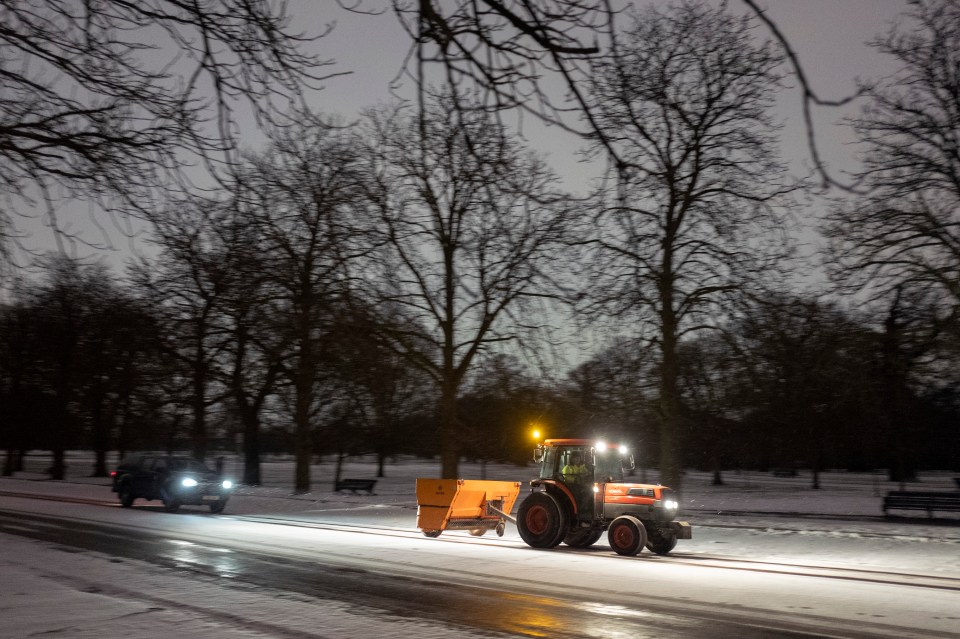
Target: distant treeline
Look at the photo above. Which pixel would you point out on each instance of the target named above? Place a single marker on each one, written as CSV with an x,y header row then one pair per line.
x,y
87,362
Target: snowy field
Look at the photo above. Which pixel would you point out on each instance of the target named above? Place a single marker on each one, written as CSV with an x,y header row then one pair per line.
x,y
841,494
781,520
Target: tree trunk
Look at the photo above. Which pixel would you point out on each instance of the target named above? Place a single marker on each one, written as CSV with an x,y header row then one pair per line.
x,y
101,439
338,471
199,432
251,447
717,475
304,443
59,468
670,419
449,444
303,436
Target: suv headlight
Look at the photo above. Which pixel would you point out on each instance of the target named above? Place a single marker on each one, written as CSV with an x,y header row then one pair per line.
x,y
189,482
670,504
227,484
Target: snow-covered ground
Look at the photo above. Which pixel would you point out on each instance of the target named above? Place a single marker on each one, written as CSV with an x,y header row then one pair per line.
x,y
44,590
845,501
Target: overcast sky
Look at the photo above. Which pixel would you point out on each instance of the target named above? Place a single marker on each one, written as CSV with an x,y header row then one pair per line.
x,y
828,35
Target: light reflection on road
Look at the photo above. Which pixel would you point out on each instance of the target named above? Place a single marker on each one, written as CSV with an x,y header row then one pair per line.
x,y
218,561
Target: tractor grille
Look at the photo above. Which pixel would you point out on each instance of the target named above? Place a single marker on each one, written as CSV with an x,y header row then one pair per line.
x,y
641,492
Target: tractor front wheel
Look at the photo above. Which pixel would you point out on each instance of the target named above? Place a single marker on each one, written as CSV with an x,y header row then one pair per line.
x,y
627,535
541,521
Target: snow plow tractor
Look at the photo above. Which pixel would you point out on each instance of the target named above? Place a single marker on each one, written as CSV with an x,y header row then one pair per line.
x,y
580,494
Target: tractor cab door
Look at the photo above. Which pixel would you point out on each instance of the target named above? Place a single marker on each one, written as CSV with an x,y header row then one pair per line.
x,y
548,457
576,465
576,473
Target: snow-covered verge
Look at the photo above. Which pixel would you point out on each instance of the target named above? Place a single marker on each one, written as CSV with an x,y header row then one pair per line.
x,y
845,502
50,590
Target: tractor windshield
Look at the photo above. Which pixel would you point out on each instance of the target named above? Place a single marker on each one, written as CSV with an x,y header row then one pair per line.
x,y
609,468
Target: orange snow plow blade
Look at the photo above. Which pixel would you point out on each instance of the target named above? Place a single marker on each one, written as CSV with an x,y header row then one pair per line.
x,y
464,504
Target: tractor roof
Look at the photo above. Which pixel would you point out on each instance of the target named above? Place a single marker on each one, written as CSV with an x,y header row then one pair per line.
x,y
568,442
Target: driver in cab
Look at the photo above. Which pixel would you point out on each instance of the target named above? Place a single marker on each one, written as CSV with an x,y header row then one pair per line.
x,y
575,471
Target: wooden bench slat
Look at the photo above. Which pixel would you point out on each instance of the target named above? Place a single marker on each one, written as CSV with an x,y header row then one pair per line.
x,y
922,500
353,485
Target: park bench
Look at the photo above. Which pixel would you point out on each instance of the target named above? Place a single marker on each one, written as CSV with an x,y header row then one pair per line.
x,y
918,500
354,485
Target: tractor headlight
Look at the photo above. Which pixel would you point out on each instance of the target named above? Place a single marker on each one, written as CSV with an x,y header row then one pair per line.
x,y
227,484
670,504
189,482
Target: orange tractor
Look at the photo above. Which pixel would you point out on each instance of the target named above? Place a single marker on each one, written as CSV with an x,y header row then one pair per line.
x,y
579,494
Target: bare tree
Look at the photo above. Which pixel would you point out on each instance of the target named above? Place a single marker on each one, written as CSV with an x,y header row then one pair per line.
x,y
304,198
905,232
254,341
798,358
473,224
537,56
706,372
615,393
693,216
106,101
502,51
386,390
66,310
186,285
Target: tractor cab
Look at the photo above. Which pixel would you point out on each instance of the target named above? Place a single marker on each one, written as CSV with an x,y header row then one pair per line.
x,y
581,469
575,461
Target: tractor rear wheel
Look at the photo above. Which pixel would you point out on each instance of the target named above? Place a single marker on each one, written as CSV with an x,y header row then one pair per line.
x,y
627,535
661,542
583,538
541,521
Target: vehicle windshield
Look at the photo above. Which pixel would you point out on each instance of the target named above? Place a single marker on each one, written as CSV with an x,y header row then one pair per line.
x,y
188,465
608,466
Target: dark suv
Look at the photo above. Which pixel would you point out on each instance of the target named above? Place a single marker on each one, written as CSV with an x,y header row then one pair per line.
x,y
175,480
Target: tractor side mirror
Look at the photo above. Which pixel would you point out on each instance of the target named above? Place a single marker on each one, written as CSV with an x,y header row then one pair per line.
x,y
538,454
627,462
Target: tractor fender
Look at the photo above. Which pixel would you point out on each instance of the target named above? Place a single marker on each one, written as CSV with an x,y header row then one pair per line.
x,y
562,494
